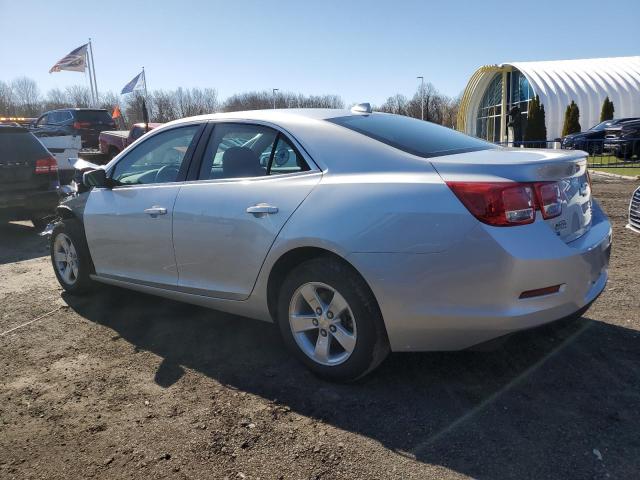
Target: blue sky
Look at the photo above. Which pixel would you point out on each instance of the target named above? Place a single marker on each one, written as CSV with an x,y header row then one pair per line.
x,y
361,50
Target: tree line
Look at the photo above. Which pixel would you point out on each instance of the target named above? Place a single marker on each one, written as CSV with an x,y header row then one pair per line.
x,y
21,97
438,108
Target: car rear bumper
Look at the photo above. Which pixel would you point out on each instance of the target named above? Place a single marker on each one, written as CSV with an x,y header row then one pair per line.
x,y
22,205
470,294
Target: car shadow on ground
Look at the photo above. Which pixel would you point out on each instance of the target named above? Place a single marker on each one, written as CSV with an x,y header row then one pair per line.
x,y
20,241
557,402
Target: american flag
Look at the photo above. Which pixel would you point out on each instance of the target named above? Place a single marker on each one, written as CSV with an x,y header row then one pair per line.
x,y
76,61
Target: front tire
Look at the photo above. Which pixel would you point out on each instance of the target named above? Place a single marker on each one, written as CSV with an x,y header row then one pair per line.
x,y
70,257
330,320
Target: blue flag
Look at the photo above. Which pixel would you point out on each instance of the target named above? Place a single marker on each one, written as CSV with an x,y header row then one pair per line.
x,y
136,83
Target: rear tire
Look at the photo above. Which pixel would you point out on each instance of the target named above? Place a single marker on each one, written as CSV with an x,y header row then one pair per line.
x,y
70,257
340,346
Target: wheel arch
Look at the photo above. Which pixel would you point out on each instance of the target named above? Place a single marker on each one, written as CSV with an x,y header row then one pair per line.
x,y
65,212
291,259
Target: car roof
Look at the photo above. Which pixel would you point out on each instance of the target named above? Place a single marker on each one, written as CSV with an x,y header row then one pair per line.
x,y
622,122
275,114
76,109
287,118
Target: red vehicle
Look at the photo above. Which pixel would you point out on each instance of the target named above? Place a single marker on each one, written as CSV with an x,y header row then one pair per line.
x,y
112,142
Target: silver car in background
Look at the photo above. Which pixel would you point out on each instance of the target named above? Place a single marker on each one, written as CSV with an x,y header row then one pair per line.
x,y
634,212
358,233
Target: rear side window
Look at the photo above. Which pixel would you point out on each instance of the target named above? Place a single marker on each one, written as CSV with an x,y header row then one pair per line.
x,y
56,118
417,137
93,116
20,146
246,151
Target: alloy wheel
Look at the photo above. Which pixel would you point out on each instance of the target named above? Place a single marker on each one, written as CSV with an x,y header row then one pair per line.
x,y
65,258
322,323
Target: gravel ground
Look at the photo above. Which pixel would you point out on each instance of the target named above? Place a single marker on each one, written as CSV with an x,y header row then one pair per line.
x,y
123,385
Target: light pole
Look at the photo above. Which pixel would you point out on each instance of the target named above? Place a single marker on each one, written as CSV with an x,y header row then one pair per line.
x,y
274,97
421,97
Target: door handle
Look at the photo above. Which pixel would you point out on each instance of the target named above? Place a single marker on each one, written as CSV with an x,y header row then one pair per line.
x,y
155,211
262,208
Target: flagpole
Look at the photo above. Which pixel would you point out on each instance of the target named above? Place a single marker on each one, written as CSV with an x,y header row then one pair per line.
x,y
93,67
144,76
88,61
88,77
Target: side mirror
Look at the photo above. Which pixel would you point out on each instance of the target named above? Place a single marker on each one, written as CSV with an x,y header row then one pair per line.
x,y
95,178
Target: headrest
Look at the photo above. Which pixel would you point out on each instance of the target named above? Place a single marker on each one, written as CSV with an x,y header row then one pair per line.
x,y
241,162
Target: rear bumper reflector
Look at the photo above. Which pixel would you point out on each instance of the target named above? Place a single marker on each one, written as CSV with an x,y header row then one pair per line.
x,y
539,292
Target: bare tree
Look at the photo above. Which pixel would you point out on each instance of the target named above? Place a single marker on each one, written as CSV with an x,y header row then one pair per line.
x,y
263,100
133,110
204,101
109,101
397,104
7,105
164,109
250,101
450,112
78,96
438,108
55,98
26,96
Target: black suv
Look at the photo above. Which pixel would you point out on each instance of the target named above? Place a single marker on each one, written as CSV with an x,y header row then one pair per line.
x,y
623,139
591,141
86,122
28,177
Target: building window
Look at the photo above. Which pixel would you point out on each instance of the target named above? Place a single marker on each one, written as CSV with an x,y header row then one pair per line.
x,y
519,93
490,110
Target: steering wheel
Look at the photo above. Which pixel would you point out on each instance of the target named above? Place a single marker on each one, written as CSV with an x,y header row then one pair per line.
x,y
168,173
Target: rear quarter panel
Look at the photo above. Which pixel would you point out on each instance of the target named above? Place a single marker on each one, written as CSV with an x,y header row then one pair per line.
x,y
380,212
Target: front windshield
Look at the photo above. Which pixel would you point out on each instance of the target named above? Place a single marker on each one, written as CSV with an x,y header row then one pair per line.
x,y
601,126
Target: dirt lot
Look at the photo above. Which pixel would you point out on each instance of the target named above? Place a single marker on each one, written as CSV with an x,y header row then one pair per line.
x,y
123,385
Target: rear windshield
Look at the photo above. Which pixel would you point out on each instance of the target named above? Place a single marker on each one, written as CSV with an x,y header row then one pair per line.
x,y
417,137
20,146
94,116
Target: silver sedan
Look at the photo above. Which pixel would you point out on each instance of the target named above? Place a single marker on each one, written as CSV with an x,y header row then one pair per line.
x,y
357,233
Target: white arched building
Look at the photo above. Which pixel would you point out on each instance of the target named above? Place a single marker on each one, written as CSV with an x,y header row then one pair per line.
x,y
494,90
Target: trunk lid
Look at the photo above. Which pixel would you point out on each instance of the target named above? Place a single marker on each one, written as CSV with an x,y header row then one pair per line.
x,y
19,152
568,168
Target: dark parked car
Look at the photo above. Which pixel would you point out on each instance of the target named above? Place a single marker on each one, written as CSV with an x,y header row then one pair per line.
x,y
86,122
623,139
28,177
591,140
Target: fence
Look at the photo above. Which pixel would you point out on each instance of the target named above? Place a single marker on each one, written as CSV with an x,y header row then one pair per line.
x,y
603,153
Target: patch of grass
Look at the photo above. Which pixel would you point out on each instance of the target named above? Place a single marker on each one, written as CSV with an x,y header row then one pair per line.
x,y
628,171
604,159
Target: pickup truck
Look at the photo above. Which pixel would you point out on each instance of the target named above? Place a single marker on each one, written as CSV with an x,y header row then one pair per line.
x,y
112,142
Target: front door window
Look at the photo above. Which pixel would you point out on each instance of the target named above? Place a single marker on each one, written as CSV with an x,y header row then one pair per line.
x,y
157,160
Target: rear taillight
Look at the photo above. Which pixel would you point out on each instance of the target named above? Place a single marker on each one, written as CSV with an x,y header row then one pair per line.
x,y
46,165
549,199
505,204
81,125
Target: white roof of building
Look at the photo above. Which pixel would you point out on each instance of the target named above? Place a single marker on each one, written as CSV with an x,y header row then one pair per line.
x,y
586,81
